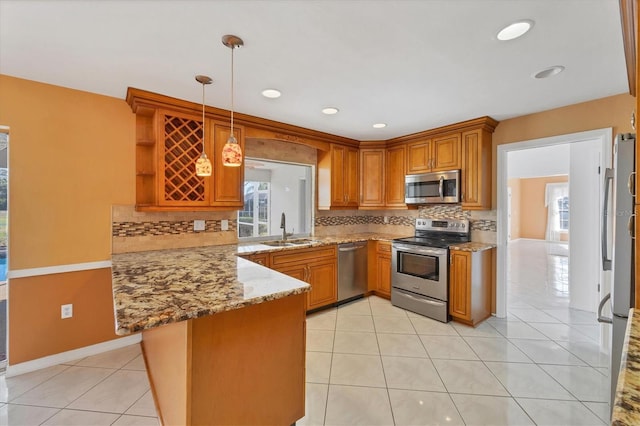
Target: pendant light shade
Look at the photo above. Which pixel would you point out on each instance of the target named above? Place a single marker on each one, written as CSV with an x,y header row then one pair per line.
x,y
203,164
232,152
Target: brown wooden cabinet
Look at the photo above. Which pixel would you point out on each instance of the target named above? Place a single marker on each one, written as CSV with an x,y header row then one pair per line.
x,y
419,156
383,269
372,178
168,143
432,155
394,177
229,181
476,170
338,177
470,285
316,266
382,173
259,258
446,152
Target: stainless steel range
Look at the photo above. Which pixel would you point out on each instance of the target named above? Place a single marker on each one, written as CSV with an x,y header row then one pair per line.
x,y
419,266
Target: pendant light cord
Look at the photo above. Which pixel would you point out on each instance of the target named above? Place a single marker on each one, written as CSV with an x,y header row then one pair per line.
x,y
232,106
203,133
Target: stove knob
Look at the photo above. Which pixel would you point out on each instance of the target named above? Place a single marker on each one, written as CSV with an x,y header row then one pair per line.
x,y
463,225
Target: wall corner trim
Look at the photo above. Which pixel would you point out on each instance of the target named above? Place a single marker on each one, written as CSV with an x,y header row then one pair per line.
x,y
58,269
51,360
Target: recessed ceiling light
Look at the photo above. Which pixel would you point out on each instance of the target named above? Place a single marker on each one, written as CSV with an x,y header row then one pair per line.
x,y
379,125
271,93
330,110
549,72
515,30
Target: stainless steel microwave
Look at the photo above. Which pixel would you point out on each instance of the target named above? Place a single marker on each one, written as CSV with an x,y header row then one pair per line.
x,y
432,188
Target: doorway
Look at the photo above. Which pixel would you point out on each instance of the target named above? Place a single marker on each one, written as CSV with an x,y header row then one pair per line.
x,y
586,147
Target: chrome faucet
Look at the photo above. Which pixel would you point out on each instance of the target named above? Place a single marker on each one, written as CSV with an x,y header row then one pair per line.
x,y
283,226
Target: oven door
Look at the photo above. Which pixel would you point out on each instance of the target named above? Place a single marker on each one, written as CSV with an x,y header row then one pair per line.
x,y
421,270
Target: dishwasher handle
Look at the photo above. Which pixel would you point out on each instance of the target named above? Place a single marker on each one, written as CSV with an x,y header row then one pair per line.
x,y
351,247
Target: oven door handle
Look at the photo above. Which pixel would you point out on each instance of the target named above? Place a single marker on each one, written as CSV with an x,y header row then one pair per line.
x,y
441,187
419,249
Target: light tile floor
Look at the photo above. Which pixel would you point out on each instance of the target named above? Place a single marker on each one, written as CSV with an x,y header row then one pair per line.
x,y
370,363
107,389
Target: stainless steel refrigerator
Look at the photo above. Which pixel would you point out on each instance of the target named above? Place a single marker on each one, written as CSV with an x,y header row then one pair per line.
x,y
617,249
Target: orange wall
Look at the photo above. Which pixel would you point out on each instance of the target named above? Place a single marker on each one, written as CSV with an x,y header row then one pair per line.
x,y
71,156
613,111
34,313
533,212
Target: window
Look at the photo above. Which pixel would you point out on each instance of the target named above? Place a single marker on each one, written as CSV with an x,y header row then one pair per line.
x,y
557,203
563,213
272,189
253,220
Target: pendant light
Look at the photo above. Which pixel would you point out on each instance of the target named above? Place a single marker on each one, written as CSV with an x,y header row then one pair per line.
x,y
203,165
232,152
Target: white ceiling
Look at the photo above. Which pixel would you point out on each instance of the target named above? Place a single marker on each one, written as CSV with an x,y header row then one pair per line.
x,y
414,65
537,162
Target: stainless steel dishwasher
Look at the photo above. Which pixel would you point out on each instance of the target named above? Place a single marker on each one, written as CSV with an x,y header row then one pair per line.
x,y
352,271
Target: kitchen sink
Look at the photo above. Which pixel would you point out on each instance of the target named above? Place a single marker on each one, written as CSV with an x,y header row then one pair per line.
x,y
288,243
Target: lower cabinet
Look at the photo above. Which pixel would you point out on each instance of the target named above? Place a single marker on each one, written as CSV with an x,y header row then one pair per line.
x,y
470,277
316,266
383,269
259,258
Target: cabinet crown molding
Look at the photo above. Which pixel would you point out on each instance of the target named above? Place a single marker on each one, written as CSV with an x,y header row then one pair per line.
x,y
142,101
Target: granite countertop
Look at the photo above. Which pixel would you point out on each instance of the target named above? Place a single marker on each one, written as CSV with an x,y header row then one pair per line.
x,y
626,409
160,287
472,246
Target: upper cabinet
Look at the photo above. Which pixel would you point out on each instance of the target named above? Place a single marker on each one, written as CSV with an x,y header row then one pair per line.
x,y
382,173
446,152
419,158
394,179
433,155
229,181
338,177
372,177
168,143
476,170
465,146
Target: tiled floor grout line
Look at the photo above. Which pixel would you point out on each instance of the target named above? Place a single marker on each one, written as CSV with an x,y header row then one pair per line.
x,y
326,401
513,397
384,373
88,390
444,385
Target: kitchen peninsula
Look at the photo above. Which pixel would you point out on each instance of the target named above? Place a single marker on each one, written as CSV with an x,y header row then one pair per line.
x,y
214,369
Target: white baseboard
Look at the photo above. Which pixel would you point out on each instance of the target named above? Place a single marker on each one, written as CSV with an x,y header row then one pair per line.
x,y
49,361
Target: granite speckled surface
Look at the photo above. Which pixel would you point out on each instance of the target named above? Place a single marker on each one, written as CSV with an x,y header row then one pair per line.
x,y
164,286
626,409
472,246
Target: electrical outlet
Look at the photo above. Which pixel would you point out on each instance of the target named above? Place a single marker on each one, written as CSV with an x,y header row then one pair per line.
x,y
224,225
66,311
198,225
385,219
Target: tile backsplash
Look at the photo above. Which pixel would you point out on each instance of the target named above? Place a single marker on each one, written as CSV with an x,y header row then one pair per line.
x,y
140,231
